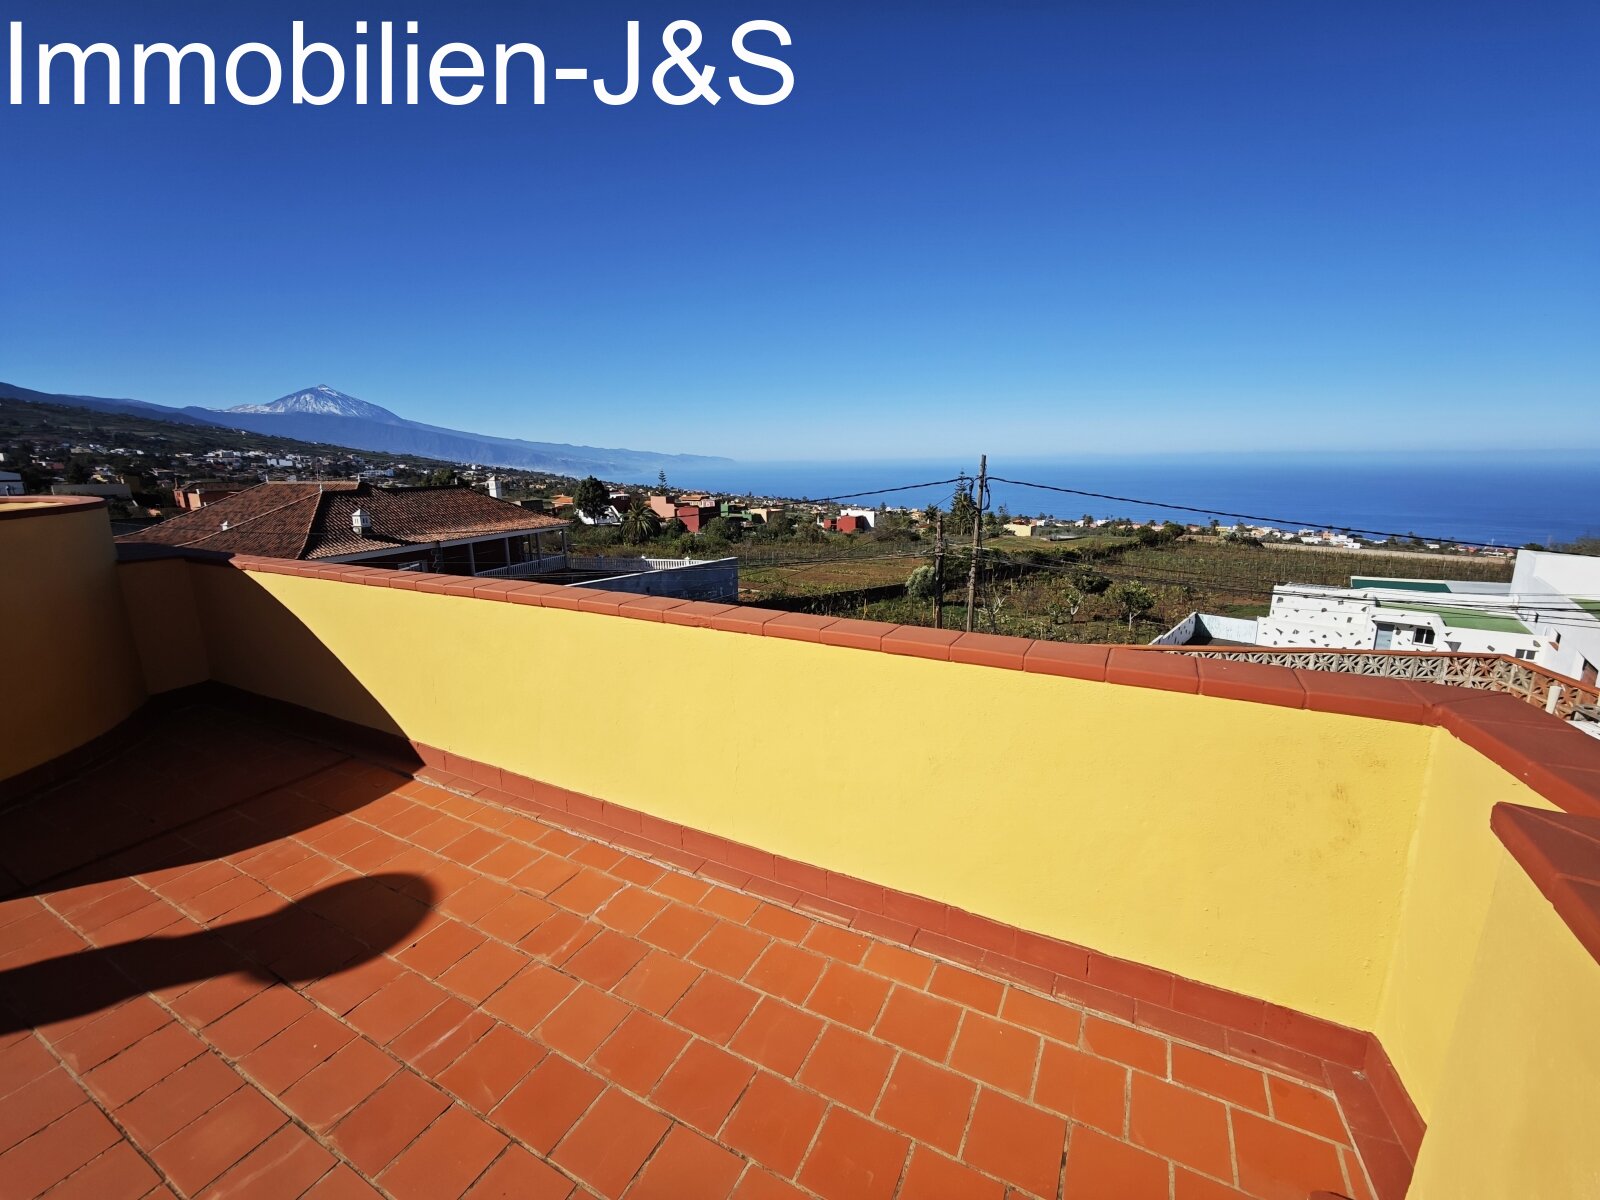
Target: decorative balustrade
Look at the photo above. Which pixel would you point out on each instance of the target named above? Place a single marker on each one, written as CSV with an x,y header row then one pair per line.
x,y
1566,698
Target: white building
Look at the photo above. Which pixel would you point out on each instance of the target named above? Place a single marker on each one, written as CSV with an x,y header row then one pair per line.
x,y
1549,614
867,515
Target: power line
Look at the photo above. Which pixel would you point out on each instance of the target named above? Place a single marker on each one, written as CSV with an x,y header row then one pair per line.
x,y
909,487
1216,512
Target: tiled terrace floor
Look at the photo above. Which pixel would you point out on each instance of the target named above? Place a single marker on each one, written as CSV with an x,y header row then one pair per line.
x,y
312,976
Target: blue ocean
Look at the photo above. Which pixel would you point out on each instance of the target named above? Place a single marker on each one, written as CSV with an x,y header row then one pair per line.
x,y
1504,499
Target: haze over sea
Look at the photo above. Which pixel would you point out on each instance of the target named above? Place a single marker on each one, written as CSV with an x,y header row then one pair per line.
x,y
1488,497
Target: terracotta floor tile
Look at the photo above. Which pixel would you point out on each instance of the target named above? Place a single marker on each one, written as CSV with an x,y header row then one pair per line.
x,y
1280,1163
786,971
923,1024
514,920
120,1173
964,987
1099,1167
441,1037
207,1146
929,1103
774,1123
640,1051
444,1161
1043,1015
22,1060
703,1085
832,942
678,929
715,1007
92,1044
850,996
582,1023
389,1013
341,1183
388,1121
854,1159
558,937
443,947
1018,1143
1125,1044
525,1001
658,982
1223,1078
730,949
631,909
256,1021
1304,1108
780,922
518,1175
541,1109
610,1143
286,1164
31,1107
328,1092
1186,1185
56,1151
344,989
1181,1125
606,959
586,891
146,1062
848,1067
481,973
996,1053
933,1177
687,1167
1090,1090
283,1059
181,1098
900,965
487,1071
778,1036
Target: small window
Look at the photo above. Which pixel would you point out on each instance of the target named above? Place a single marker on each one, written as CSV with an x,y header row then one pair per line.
x,y
1423,637
1526,654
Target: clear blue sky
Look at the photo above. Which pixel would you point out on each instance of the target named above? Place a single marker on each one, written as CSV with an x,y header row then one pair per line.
x,y
1046,226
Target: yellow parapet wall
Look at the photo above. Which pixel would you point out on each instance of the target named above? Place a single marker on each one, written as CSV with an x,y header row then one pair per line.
x,y
1454,861
1519,1090
1256,848
69,656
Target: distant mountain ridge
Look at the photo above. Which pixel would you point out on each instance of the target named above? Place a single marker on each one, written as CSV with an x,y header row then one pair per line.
x,y
321,401
325,414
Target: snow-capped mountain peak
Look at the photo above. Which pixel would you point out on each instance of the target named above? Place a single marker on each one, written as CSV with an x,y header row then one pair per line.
x,y
322,401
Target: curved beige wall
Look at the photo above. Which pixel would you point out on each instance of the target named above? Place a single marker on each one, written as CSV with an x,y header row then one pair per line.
x,y
70,663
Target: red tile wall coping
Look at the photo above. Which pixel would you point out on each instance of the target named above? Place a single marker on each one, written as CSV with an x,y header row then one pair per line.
x,y
1561,854
17,508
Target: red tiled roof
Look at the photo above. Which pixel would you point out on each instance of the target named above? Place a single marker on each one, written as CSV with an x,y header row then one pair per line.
x,y
313,520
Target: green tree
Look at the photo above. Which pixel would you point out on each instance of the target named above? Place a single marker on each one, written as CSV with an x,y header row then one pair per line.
x,y
674,528
963,511
1131,600
78,469
661,480
640,523
591,497
441,477
920,583
722,529
1088,580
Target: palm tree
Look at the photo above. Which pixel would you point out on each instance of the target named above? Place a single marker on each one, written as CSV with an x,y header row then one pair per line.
x,y
640,523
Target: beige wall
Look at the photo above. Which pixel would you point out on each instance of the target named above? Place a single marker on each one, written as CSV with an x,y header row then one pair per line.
x,y
68,649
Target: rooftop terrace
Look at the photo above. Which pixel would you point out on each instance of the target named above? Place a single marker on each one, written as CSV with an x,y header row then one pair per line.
x,y
327,881
280,970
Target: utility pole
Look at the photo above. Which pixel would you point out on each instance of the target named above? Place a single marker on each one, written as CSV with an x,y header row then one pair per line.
x,y
938,572
977,536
